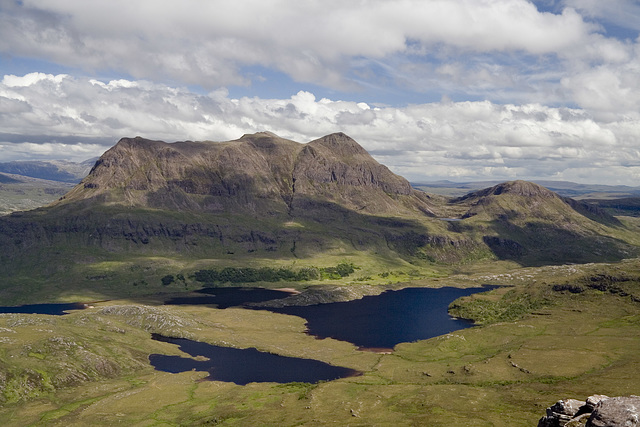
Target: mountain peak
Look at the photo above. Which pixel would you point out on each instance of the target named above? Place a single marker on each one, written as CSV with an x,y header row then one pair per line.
x,y
515,188
522,188
340,144
337,158
259,134
258,172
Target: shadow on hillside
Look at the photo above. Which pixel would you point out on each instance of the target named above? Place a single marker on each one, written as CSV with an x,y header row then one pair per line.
x,y
77,246
537,244
62,248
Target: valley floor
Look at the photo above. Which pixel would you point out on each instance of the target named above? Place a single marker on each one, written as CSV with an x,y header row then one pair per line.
x,y
556,332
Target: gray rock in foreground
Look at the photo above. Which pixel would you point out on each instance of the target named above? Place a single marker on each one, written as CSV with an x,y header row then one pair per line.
x,y
616,411
597,411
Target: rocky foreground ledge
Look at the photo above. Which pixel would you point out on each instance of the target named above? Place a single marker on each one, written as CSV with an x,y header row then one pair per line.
x,y
597,411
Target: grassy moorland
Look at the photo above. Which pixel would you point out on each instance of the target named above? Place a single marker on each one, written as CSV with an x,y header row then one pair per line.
x,y
553,332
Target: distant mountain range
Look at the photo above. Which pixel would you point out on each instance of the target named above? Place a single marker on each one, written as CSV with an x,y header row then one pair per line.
x,y
28,185
51,170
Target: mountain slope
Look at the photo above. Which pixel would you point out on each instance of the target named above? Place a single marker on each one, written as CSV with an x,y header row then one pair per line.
x,y
259,173
527,222
263,197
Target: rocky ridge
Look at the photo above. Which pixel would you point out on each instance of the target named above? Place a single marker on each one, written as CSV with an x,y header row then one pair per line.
x,y
256,173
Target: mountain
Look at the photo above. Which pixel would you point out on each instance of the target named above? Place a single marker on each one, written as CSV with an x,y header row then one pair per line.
x,y
258,196
259,192
265,197
527,222
563,188
259,173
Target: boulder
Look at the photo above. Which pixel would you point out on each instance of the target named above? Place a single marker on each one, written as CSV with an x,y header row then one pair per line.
x,y
616,411
561,413
592,401
597,411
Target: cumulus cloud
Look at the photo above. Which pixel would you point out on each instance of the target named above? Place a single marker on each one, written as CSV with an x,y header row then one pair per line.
x,y
73,118
330,42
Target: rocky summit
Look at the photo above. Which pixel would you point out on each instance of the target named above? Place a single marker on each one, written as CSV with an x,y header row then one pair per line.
x,y
259,173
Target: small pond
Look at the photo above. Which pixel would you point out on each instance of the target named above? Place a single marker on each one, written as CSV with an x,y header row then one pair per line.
x,y
382,321
52,309
243,366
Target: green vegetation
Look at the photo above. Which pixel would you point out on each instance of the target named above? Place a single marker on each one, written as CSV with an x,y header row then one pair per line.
x,y
167,280
268,274
511,305
90,367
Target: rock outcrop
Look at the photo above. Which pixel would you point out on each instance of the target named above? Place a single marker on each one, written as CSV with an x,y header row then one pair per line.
x,y
597,411
617,411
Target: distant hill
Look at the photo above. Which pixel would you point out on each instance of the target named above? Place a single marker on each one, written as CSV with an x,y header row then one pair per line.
x,y
50,170
21,193
28,185
6,179
527,222
628,206
563,188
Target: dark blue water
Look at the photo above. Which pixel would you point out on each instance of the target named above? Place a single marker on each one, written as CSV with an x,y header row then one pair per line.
x,y
229,297
243,366
53,309
382,321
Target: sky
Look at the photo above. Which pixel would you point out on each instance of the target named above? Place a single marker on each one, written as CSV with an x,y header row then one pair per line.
x,y
464,90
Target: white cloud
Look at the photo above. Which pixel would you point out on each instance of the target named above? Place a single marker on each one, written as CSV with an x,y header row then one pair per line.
x,y
208,43
469,140
30,79
49,150
506,51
